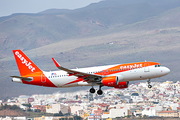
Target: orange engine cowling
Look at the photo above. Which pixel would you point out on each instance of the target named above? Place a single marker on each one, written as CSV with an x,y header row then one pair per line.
x,y
122,85
113,81
110,81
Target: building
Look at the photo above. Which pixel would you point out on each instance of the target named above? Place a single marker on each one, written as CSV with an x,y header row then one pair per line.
x,y
150,111
40,107
113,113
56,108
168,114
74,109
23,99
136,98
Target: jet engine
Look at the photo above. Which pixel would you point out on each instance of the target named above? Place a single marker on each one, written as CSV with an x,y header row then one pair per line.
x,y
112,81
122,85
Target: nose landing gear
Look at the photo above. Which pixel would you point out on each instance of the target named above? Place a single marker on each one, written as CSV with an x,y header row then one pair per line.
x,y
148,81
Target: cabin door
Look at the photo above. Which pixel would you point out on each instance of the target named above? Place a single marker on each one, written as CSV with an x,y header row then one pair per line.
x,y
146,67
43,78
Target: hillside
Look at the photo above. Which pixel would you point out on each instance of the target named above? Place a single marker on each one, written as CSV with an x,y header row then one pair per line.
x,y
99,34
36,30
7,112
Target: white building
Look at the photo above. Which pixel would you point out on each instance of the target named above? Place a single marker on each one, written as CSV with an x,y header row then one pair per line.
x,y
74,109
136,98
23,99
56,108
19,118
113,113
149,111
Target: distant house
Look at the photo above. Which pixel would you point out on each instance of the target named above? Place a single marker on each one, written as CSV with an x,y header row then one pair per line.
x,y
150,111
136,98
168,114
40,107
74,109
55,108
113,113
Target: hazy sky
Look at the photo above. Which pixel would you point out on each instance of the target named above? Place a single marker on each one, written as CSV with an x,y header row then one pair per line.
x,y
8,7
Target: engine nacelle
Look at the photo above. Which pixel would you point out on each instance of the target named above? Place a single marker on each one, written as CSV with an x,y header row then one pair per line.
x,y
112,81
122,85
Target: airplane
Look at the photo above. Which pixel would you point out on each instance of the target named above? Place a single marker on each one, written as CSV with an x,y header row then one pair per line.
x,y
117,76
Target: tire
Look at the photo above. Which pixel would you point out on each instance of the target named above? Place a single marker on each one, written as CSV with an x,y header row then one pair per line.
x,y
149,86
92,90
99,92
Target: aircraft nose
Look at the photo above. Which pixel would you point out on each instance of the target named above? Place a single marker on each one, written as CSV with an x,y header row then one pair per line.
x,y
166,70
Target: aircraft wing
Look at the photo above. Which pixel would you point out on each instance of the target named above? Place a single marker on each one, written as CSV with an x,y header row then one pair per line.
x,y
76,73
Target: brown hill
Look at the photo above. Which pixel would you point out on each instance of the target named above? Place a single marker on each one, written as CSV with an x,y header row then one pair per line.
x,y
12,113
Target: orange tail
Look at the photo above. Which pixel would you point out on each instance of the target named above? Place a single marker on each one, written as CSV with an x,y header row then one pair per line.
x,y
25,65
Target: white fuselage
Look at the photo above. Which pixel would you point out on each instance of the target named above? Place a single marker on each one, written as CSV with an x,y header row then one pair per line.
x,y
62,79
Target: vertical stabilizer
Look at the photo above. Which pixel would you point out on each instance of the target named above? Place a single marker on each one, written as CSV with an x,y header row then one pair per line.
x,y
25,65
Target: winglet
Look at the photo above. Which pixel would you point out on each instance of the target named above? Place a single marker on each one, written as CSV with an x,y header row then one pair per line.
x,y
56,63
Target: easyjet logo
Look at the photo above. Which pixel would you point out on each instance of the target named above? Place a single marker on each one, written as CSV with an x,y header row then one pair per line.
x,y
24,61
131,66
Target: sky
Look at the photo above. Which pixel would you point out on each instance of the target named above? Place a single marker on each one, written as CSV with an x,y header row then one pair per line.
x,y
8,7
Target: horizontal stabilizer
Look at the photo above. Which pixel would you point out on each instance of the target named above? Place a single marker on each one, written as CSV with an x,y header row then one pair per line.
x,y
23,78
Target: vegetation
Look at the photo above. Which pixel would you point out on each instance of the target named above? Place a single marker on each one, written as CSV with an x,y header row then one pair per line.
x,y
38,114
59,114
14,107
27,105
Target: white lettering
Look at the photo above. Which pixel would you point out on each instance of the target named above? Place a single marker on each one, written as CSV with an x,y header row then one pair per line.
x,y
131,66
24,61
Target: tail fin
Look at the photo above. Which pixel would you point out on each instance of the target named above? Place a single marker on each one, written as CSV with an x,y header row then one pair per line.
x,y
25,65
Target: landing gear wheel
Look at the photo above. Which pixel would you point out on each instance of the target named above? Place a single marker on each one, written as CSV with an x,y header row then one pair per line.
x,y
92,90
148,81
149,86
100,92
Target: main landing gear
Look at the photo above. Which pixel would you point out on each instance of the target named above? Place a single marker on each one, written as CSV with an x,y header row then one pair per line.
x,y
92,90
148,81
99,92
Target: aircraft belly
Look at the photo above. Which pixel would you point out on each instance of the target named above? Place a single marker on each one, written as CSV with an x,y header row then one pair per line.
x,y
62,81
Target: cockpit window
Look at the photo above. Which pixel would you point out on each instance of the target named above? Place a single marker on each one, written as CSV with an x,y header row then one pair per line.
x,y
157,65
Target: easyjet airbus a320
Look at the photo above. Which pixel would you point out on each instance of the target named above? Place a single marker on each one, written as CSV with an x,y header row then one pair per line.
x,y
117,76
